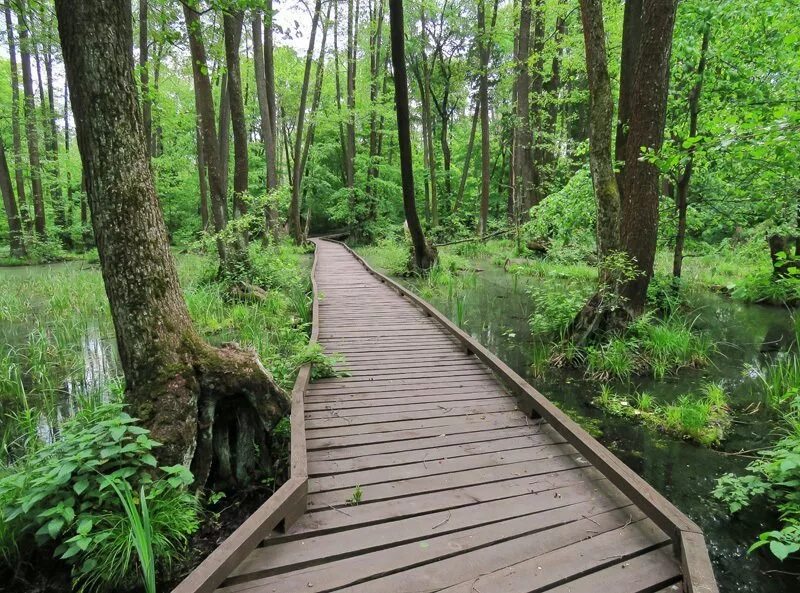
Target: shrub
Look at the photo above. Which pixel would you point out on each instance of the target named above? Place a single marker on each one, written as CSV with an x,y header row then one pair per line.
x,y
776,476
58,495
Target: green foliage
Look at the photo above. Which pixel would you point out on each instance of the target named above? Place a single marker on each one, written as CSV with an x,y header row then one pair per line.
x,y
775,475
567,216
64,493
780,380
323,365
650,345
704,419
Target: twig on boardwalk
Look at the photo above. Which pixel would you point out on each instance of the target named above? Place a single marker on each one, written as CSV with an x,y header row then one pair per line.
x,y
442,522
590,519
339,510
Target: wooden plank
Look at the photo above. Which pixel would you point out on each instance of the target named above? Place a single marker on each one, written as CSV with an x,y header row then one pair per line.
x,y
389,418
278,557
541,571
493,474
392,394
395,458
441,440
656,570
335,411
474,563
376,405
230,553
366,567
548,485
469,426
478,419
434,467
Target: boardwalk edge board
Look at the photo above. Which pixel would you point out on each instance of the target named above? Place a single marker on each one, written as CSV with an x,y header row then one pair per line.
x,y
686,536
286,504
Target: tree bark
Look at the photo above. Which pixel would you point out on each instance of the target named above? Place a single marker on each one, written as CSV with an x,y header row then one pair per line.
x,y
19,176
424,254
201,175
483,98
224,138
424,80
232,26
193,398
204,104
631,45
467,158
375,65
640,187
15,236
349,127
682,188
295,224
31,128
147,113
267,132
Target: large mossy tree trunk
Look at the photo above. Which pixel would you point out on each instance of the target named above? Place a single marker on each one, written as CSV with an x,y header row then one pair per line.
x,y
627,204
211,408
424,254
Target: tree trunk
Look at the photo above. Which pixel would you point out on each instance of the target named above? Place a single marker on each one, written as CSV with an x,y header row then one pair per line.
x,y
232,25
15,236
194,398
483,98
467,158
147,116
375,65
523,154
269,70
427,123
31,128
349,128
682,188
424,254
639,194
295,224
267,135
224,138
204,104
19,176
342,142
201,174
537,85
56,194
316,96
631,45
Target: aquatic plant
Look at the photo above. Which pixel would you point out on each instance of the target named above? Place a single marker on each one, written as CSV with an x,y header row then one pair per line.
x,y
774,476
780,380
704,419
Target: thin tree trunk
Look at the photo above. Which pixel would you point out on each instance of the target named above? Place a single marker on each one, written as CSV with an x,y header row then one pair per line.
x,y
19,176
269,70
376,62
232,26
224,138
350,129
467,158
194,398
337,71
483,99
295,224
204,104
427,123
424,254
537,85
56,194
70,192
523,152
15,235
317,94
267,135
682,189
31,128
147,114
201,174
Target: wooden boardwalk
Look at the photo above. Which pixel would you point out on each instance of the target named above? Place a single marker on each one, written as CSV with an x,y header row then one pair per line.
x,y
464,485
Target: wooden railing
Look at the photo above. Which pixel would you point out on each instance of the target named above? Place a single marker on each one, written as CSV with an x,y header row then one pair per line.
x,y
281,509
687,537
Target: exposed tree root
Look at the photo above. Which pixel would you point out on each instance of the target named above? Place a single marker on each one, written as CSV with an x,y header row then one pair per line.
x,y
217,412
596,320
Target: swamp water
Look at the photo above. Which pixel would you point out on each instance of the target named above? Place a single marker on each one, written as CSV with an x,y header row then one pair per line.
x,y
495,309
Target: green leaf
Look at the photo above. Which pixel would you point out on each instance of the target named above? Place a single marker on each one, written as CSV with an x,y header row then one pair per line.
x,y
81,485
117,432
85,526
779,549
54,527
149,460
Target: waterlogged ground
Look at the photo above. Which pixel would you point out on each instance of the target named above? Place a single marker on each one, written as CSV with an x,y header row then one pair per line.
x,y
493,307
57,344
